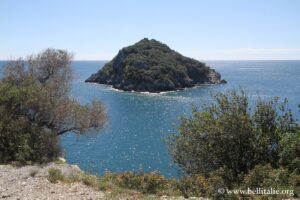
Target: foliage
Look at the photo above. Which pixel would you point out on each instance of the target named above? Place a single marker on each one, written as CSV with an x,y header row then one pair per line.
x,y
234,146
140,183
150,65
227,134
55,175
136,183
265,176
35,108
90,180
144,182
193,186
22,140
289,152
261,176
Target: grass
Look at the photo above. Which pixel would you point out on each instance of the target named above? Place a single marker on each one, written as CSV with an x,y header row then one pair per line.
x,y
116,185
90,180
55,175
139,185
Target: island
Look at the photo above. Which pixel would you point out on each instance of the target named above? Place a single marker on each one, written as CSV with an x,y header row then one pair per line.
x,y
151,66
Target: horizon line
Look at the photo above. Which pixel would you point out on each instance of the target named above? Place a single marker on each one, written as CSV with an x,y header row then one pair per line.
x,y
213,60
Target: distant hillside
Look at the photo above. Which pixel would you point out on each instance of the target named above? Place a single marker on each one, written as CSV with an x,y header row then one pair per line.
x,y
152,66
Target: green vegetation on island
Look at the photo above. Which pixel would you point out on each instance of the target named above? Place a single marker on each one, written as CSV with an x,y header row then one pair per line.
x,y
151,66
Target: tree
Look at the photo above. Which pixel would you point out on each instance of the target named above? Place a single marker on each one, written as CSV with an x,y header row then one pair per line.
x,y
35,106
227,134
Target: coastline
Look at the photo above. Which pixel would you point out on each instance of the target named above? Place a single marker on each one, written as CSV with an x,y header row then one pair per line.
x,y
112,88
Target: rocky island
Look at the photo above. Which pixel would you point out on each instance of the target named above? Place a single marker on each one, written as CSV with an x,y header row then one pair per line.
x,y
151,66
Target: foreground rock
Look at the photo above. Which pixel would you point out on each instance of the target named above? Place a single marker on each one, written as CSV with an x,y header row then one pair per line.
x,y
150,66
30,182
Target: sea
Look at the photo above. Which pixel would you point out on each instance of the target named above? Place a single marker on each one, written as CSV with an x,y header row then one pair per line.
x,y
139,124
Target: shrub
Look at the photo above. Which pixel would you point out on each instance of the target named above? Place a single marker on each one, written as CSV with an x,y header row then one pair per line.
x,y
192,186
35,108
266,177
152,183
227,134
55,175
107,181
261,176
149,183
289,152
90,180
237,146
294,183
22,140
216,184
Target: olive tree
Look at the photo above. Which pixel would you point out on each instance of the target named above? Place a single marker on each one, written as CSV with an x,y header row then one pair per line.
x,y
227,134
35,101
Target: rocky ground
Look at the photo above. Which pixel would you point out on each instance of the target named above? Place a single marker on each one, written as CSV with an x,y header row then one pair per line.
x,y
31,183
19,183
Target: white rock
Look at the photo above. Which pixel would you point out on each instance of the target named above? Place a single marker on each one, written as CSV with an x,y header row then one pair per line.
x,y
62,159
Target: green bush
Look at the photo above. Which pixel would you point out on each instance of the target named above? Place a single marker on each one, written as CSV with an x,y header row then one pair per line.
x,y
216,183
261,176
294,183
226,133
90,180
22,141
236,146
193,186
152,183
35,108
55,175
289,152
147,183
266,177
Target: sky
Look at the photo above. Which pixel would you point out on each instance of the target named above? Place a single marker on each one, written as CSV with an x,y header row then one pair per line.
x,y
202,29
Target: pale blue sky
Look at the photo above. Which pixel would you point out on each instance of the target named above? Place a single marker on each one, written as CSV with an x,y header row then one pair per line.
x,y
205,30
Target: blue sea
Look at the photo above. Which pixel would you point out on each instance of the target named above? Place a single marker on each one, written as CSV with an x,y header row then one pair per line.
x,y
139,123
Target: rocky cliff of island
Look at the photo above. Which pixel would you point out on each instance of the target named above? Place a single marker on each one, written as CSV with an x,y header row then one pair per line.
x,y
151,66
